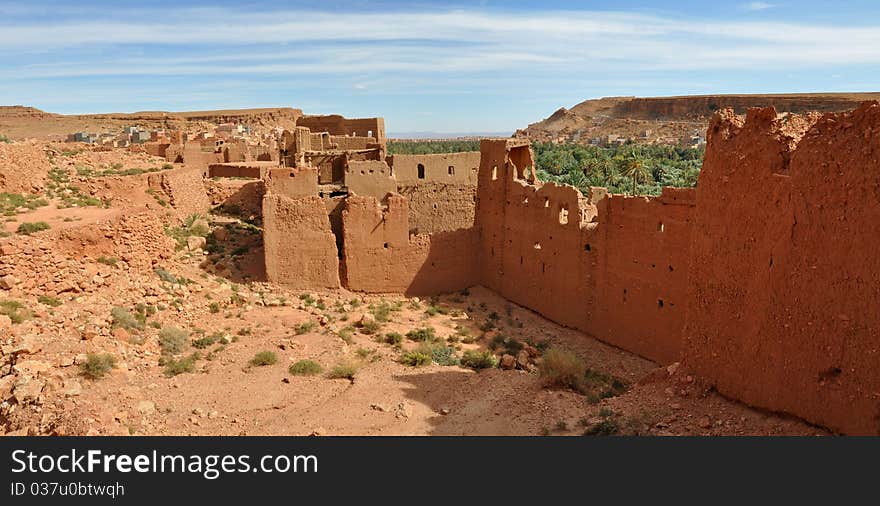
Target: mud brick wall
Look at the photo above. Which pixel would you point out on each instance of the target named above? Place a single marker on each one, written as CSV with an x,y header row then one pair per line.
x,y
612,266
785,276
184,187
439,207
436,168
299,243
381,256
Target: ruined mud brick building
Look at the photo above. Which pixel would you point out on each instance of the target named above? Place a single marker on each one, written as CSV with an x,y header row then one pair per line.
x,y
764,279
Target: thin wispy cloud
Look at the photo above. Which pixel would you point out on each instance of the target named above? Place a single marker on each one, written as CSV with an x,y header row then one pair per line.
x,y
757,6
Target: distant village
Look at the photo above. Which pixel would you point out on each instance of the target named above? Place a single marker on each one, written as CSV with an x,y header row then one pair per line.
x,y
136,135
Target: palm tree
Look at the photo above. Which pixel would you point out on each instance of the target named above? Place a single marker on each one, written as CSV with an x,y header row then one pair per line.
x,y
598,169
637,170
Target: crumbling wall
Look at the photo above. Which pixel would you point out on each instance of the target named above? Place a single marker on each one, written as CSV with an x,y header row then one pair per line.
x,y
300,248
527,254
292,183
614,267
439,207
785,278
253,169
369,178
53,263
338,125
381,256
244,198
441,168
184,188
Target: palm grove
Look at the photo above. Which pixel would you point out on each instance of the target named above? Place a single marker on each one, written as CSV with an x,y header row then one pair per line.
x,y
630,168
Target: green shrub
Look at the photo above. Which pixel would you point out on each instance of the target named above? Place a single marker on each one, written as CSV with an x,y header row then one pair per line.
x,y
304,328
305,368
207,341
214,308
563,368
370,327
173,340
49,301
607,427
111,261
393,338
14,310
476,359
382,312
440,354
346,334
123,318
33,227
343,370
97,365
173,367
264,358
415,358
423,335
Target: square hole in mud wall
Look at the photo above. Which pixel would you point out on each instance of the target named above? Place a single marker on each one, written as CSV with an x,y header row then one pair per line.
x,y
661,227
385,245
451,170
494,172
659,303
587,247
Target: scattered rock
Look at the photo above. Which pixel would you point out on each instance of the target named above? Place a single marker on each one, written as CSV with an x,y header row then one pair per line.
x,y
378,407
72,388
221,233
522,359
27,346
146,407
195,242
508,362
8,282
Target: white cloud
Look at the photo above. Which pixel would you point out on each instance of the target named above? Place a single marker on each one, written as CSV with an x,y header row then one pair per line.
x,y
757,6
367,46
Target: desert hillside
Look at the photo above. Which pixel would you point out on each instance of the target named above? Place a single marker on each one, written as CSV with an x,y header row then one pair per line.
x,y
21,122
670,120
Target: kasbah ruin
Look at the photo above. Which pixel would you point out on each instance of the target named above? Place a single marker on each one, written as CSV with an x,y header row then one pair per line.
x,y
298,279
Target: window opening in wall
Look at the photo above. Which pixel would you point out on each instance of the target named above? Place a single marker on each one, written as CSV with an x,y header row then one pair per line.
x,y
537,245
671,269
421,170
563,216
385,245
661,227
494,172
520,260
624,294
451,170
659,303
546,202
587,247
543,267
525,200
369,133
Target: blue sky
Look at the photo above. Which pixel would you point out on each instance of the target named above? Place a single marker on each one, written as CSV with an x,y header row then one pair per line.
x,y
425,66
